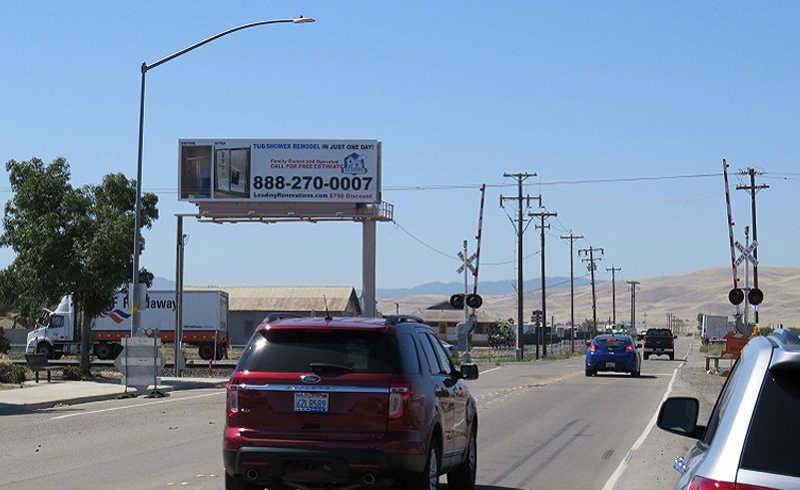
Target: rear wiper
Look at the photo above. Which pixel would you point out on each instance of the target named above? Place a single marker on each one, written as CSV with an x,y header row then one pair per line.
x,y
324,366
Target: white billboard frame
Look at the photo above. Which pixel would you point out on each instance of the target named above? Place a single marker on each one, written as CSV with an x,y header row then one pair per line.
x,y
269,170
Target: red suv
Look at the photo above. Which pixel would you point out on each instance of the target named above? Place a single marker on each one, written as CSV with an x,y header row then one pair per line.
x,y
327,403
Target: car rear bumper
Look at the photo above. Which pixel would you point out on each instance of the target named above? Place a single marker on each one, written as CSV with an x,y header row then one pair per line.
x,y
620,364
658,350
370,467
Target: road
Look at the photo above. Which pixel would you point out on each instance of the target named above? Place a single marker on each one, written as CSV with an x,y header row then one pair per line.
x,y
542,425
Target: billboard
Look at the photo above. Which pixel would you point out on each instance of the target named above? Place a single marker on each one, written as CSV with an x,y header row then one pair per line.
x,y
279,170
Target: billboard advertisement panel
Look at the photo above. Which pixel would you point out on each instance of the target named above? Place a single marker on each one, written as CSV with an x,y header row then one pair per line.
x,y
279,170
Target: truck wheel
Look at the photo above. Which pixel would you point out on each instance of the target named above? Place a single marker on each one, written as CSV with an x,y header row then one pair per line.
x,y
220,352
206,351
104,351
44,348
117,350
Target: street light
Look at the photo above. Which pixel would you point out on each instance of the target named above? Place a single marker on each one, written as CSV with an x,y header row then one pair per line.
x,y
136,297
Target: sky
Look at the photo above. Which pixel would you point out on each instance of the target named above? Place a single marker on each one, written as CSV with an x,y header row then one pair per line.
x,y
624,110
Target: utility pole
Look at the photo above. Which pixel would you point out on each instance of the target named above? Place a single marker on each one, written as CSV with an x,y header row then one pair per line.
x,y
633,285
571,239
592,266
543,332
753,189
520,227
614,292
746,272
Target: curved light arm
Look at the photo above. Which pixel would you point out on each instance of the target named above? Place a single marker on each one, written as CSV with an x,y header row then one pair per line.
x,y
299,20
136,294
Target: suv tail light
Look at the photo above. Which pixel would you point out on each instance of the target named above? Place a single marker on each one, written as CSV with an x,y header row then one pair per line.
x,y
233,400
233,397
700,483
399,393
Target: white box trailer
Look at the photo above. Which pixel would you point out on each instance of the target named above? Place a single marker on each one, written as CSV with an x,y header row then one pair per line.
x,y
205,324
713,327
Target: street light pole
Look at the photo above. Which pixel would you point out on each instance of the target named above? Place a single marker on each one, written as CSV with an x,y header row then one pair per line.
x,y
136,298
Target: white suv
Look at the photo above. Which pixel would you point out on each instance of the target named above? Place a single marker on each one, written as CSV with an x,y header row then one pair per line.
x,y
752,439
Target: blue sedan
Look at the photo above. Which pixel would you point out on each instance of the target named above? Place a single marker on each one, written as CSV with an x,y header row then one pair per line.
x,y
617,353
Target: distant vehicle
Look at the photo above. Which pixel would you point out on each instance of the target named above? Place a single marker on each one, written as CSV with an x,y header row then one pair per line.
x,y
450,348
205,319
658,342
751,439
616,353
343,403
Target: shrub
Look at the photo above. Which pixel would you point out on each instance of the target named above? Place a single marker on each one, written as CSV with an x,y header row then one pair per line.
x,y
501,334
71,373
11,373
5,344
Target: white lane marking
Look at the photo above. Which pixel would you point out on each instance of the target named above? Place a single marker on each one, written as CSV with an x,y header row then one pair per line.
x,y
623,465
134,406
490,370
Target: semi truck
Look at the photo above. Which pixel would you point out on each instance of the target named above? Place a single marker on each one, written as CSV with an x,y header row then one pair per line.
x,y
205,325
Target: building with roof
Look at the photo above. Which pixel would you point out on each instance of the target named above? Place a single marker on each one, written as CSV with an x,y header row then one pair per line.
x,y
249,305
443,318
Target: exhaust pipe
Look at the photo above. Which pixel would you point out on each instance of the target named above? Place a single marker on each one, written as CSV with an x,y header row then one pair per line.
x,y
252,475
368,479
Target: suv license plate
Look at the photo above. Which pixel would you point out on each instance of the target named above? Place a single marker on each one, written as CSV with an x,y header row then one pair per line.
x,y
310,402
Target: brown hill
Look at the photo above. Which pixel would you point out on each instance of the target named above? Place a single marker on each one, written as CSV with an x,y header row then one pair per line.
x,y
683,297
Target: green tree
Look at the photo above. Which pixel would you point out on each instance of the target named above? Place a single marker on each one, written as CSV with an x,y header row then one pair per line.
x,y
501,334
69,240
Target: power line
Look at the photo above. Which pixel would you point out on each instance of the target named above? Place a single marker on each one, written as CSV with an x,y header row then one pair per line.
x,y
424,187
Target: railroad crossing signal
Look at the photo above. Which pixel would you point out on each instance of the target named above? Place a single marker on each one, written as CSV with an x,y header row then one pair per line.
x,y
473,301
467,262
747,253
736,296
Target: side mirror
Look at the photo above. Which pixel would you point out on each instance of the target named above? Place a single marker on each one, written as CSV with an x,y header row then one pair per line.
x,y
679,416
638,346
674,336
469,371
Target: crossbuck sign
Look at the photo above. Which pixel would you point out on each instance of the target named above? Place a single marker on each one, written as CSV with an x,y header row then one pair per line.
x,y
747,253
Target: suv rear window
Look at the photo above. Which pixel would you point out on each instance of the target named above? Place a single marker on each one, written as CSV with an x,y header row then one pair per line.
x,y
772,443
291,350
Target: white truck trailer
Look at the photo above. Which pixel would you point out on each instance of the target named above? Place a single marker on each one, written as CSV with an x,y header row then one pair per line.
x,y
713,328
205,325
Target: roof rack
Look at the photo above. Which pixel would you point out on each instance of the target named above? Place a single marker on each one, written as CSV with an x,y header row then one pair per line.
x,y
395,319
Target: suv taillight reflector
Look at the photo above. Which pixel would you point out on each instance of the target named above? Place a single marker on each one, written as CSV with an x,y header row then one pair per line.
x,y
233,401
700,483
399,393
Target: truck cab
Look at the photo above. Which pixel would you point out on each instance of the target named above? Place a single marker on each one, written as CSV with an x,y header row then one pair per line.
x,y
55,333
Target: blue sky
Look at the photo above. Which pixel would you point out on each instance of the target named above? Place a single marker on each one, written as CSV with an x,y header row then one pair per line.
x,y
597,98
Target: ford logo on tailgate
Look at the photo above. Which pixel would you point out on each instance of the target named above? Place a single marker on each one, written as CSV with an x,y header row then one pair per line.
x,y
310,379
